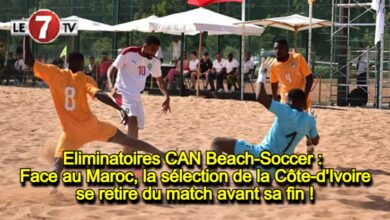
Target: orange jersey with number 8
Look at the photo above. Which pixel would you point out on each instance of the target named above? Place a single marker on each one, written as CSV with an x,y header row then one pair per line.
x,y
290,74
69,92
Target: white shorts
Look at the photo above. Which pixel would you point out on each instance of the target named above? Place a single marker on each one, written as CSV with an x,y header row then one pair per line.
x,y
132,104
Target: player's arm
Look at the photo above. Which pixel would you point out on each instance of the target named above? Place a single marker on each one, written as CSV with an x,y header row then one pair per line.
x,y
309,84
307,73
111,75
119,63
157,74
315,140
262,96
273,76
275,87
163,88
28,56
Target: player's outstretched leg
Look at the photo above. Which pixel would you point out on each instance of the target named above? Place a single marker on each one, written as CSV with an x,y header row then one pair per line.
x,y
132,127
223,145
131,144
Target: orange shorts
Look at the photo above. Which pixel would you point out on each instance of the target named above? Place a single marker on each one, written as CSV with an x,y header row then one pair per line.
x,y
103,131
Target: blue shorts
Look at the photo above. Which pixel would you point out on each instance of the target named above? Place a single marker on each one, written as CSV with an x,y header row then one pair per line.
x,y
241,146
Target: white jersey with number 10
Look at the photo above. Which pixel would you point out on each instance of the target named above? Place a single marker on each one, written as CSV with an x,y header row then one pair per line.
x,y
133,69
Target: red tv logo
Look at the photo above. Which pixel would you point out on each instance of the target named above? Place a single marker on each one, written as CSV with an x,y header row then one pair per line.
x,y
44,26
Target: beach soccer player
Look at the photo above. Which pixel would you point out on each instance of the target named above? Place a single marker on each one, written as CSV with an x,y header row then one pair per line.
x,y
69,89
132,66
291,71
291,124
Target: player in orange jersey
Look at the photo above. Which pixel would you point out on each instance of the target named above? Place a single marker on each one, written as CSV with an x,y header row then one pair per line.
x,y
69,89
291,71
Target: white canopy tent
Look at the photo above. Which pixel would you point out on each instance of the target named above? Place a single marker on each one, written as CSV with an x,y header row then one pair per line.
x,y
83,24
5,26
89,25
141,25
201,20
293,22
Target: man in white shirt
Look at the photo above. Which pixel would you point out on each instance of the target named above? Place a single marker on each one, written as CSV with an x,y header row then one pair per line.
x,y
219,71
193,65
20,67
231,71
248,70
176,49
133,65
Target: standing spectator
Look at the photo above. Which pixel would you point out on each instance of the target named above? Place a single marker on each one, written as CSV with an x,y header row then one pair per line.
x,y
92,67
103,66
176,49
20,67
206,66
231,71
362,67
248,70
193,65
219,71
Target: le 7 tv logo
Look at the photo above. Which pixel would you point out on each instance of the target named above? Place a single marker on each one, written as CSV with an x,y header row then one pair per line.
x,y
44,26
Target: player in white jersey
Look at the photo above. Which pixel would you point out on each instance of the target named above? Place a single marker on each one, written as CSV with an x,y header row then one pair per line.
x,y
132,66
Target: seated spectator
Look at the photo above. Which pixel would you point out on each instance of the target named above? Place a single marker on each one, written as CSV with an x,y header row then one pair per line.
x,y
9,68
248,70
193,66
218,72
231,71
206,65
176,71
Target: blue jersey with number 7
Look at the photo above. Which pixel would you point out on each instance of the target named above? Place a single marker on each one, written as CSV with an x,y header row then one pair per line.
x,y
289,127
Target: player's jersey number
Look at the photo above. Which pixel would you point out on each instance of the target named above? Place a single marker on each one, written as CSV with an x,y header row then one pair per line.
x,y
70,102
292,136
288,77
142,70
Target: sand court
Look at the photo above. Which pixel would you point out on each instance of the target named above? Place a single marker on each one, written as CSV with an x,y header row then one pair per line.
x,y
29,130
